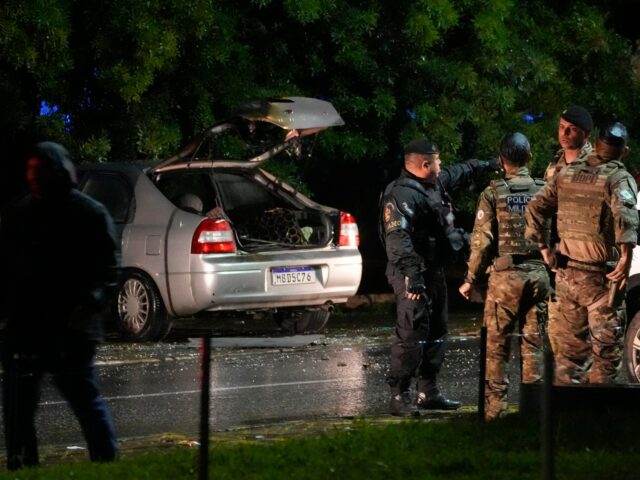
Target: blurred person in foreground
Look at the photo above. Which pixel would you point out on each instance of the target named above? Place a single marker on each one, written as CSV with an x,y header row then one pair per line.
x,y
518,279
595,203
420,238
58,262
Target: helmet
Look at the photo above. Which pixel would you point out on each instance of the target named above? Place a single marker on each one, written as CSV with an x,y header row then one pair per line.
x,y
614,134
515,148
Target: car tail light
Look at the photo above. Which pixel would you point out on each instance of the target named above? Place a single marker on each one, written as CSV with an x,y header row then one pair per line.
x,y
213,236
349,235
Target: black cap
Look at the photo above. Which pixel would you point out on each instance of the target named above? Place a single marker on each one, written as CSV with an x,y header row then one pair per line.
x,y
420,146
614,134
578,116
515,148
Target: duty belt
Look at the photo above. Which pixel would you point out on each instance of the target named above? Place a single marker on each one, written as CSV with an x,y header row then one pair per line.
x,y
518,259
506,262
588,266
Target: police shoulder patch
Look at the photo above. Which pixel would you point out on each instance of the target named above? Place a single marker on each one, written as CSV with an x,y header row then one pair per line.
x,y
388,209
627,197
626,194
393,219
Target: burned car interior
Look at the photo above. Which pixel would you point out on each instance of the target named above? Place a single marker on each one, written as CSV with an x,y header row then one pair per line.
x,y
262,214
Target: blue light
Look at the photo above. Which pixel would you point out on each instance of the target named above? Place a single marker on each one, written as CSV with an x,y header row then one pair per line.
x,y
411,113
527,118
531,118
47,110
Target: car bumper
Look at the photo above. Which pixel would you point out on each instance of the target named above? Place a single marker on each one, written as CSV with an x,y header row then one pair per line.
x,y
233,282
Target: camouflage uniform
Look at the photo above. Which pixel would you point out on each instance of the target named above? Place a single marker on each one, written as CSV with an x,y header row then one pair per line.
x,y
595,205
559,161
554,167
518,283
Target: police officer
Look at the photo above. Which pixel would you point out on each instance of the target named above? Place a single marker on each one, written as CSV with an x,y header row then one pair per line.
x,y
518,281
418,231
574,127
597,224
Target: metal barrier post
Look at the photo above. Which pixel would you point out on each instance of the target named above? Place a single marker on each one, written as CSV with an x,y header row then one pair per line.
x,y
547,414
483,370
205,397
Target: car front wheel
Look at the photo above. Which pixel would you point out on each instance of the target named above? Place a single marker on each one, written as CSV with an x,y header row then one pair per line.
x,y
140,313
632,349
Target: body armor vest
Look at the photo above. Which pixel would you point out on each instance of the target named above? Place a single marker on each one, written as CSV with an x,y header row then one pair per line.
x,y
583,213
512,197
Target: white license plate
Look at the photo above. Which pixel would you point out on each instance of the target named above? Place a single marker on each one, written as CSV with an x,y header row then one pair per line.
x,y
292,275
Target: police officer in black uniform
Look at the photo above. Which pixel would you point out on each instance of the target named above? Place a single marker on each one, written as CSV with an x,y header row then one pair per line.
x,y
417,228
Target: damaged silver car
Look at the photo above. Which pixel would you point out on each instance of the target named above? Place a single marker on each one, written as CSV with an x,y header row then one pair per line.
x,y
209,232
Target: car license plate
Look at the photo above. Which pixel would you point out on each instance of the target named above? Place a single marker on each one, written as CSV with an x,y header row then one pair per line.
x,y
292,275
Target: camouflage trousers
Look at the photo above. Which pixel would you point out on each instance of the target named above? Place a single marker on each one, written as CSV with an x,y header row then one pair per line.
x,y
515,304
585,333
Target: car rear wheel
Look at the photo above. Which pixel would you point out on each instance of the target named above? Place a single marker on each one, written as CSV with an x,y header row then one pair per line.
x,y
632,349
303,321
141,315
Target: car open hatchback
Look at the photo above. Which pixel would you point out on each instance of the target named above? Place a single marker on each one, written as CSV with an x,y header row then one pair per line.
x,y
208,231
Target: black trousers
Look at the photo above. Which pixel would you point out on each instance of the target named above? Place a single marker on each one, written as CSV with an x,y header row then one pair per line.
x,y
72,370
421,330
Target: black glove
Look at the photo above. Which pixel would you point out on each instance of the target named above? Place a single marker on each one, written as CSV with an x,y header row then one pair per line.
x,y
492,165
415,284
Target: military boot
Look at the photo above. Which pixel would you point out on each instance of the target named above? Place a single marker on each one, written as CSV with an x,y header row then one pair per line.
x,y
436,401
495,406
402,406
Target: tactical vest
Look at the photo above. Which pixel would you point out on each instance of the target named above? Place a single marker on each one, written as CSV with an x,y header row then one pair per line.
x,y
512,198
559,161
432,230
583,213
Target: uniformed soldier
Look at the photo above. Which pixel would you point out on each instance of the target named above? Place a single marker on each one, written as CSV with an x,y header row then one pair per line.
x,y
597,220
573,136
518,279
417,228
574,127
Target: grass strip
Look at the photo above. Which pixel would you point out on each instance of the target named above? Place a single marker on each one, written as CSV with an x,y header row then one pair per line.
x,y
588,446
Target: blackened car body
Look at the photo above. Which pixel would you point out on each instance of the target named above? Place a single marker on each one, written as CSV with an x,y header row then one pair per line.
x,y
208,231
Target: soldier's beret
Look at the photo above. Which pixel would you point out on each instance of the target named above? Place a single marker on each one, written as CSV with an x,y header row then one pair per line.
x,y
578,116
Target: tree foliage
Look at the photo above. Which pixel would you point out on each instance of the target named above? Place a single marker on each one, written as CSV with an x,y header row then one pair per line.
x,y
137,79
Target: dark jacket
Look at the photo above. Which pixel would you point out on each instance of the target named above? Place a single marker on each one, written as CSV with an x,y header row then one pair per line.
x,y
417,220
59,259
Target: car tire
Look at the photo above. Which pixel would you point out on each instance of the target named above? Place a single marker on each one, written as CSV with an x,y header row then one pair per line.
x,y
140,313
632,349
303,321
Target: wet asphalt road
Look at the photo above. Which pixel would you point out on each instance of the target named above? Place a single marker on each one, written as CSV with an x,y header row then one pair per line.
x,y
258,376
